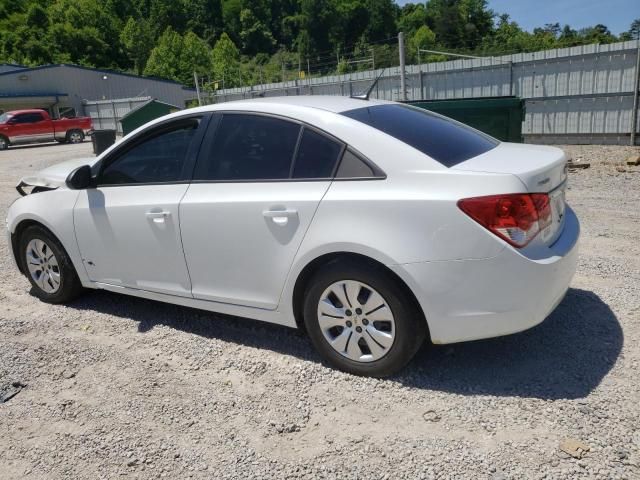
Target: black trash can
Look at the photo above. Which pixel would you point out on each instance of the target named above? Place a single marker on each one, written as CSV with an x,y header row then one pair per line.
x,y
102,139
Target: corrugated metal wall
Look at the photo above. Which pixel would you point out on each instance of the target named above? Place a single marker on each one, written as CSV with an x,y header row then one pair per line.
x,y
579,95
106,114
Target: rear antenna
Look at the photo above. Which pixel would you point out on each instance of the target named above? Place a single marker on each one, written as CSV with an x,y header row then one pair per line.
x,y
365,95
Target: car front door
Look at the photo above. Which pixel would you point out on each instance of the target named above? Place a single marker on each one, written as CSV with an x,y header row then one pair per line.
x,y
29,127
257,184
128,227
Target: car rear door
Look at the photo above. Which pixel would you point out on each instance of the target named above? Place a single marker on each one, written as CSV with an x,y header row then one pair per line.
x,y
257,184
128,227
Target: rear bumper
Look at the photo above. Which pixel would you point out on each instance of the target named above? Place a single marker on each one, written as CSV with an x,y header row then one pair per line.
x,y
473,299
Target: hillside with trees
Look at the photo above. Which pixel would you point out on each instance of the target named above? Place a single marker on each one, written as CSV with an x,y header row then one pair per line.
x,y
243,42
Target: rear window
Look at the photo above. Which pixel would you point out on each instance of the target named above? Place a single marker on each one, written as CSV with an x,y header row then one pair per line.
x,y
444,140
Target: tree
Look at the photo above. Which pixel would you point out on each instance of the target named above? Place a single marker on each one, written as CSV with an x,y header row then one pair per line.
x,y
226,61
165,56
195,56
423,38
254,34
137,39
411,18
177,57
204,18
634,31
445,19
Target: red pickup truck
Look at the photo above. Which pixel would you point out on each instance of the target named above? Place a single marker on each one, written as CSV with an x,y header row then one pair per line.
x,y
32,126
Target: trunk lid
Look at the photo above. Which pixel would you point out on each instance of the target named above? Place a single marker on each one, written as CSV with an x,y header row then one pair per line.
x,y
540,168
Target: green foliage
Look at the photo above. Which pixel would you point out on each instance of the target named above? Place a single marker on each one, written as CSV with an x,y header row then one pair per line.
x,y
250,41
137,39
177,57
226,62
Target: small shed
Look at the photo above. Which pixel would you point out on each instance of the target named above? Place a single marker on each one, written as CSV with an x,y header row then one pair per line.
x,y
145,113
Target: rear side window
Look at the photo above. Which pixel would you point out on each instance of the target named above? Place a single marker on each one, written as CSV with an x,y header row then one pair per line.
x,y
444,140
317,156
352,166
250,147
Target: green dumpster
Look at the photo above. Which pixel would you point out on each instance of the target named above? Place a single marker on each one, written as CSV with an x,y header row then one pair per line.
x,y
145,113
500,117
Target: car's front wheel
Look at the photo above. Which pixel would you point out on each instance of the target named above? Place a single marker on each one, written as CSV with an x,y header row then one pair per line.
x,y
48,267
361,320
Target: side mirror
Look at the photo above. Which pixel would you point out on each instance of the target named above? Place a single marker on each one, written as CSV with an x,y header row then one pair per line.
x,y
80,178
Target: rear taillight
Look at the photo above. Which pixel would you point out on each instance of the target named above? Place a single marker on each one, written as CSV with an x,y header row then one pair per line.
x,y
517,218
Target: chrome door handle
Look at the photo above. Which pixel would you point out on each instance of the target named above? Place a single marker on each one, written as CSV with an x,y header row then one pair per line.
x,y
158,217
280,217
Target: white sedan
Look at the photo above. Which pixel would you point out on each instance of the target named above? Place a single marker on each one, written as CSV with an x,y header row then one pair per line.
x,y
373,225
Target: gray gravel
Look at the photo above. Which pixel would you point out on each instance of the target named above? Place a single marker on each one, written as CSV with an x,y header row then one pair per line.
x,y
115,386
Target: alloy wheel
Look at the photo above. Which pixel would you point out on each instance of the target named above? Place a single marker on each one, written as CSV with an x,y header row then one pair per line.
x,y
43,266
356,321
75,137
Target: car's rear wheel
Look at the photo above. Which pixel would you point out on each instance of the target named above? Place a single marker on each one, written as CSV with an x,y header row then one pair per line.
x,y
362,320
4,143
48,267
75,136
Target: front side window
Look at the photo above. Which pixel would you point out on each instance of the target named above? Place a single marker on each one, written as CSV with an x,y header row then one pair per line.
x,y
158,158
446,141
250,147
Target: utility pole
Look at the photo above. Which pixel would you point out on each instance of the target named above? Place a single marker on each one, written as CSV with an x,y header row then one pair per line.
x,y
403,73
195,78
634,112
422,97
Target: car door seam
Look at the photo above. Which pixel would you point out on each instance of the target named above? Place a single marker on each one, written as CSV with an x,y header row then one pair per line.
x,y
184,255
295,256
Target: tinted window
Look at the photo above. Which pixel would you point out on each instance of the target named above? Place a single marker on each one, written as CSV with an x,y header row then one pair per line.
x,y
442,139
317,156
28,118
250,147
353,166
159,158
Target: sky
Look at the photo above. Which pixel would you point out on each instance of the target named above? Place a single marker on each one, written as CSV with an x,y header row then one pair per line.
x,y
615,14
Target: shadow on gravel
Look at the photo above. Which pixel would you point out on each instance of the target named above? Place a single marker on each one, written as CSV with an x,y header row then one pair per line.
x,y
566,356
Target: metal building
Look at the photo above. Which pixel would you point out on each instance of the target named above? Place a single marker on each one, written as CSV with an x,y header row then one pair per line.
x,y
8,67
67,89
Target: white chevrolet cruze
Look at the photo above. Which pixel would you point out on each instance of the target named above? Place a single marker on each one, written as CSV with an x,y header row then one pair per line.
x,y
372,224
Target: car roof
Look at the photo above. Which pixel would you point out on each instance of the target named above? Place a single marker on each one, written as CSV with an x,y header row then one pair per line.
x,y
335,104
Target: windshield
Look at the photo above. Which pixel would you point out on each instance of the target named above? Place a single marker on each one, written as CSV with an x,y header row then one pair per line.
x,y
445,140
4,118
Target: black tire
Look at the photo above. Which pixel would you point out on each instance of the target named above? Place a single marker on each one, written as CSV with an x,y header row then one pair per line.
x,y
410,325
4,142
75,136
70,286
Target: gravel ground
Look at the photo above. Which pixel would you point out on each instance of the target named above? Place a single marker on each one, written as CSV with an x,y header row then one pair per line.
x,y
116,386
